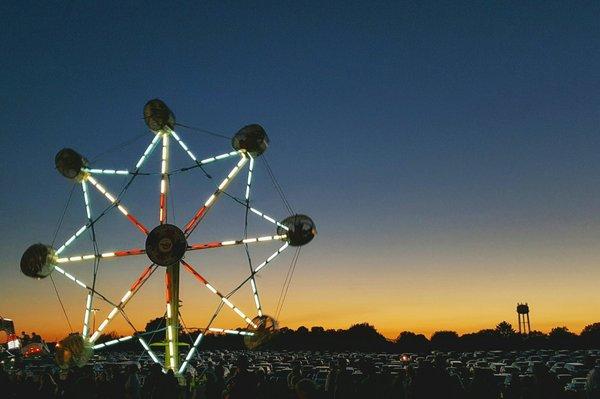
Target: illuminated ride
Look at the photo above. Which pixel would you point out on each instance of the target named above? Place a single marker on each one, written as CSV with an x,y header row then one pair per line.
x,y
12,341
165,244
16,347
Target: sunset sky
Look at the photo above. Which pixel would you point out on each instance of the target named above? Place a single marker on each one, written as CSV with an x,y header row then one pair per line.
x,y
448,153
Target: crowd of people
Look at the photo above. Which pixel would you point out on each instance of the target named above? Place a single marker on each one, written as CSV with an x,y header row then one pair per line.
x,y
26,339
216,380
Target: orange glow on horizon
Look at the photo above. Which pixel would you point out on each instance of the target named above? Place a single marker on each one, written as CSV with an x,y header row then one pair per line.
x,y
442,306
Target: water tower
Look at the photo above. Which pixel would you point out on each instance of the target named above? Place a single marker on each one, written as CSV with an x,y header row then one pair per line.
x,y
523,314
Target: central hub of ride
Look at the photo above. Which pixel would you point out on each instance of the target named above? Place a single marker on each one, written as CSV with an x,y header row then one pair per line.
x,y
166,244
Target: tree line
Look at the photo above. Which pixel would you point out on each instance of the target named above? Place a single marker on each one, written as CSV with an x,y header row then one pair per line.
x,y
364,337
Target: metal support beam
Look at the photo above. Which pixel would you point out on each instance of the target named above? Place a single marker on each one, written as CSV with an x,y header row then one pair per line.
x,y
172,318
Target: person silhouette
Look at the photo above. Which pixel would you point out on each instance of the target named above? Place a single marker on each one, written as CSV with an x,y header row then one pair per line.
x,y
592,384
25,339
306,389
242,384
36,338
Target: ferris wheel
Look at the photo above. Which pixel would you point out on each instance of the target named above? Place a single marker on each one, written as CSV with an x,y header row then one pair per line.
x,y
165,244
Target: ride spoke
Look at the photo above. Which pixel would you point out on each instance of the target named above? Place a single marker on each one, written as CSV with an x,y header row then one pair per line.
x,y
164,180
113,342
226,301
73,238
249,180
148,151
268,218
90,296
86,316
245,241
270,258
194,158
185,147
116,202
219,244
220,157
105,255
172,317
230,332
82,284
208,160
106,171
128,295
261,266
150,352
255,294
191,353
86,200
71,277
191,225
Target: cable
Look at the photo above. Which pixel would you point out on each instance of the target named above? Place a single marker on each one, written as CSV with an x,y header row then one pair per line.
x,y
294,262
143,352
61,303
201,130
185,329
214,316
277,185
62,217
135,330
285,281
239,201
293,268
118,146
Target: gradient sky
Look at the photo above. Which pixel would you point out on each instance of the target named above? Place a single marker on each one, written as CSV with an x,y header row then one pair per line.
x,y
448,153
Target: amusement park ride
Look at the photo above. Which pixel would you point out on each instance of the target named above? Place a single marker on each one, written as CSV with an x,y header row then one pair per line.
x,y
12,341
165,245
17,347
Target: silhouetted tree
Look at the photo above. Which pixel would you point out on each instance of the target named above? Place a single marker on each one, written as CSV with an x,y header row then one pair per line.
x,y
562,338
112,335
155,324
537,340
302,330
484,339
505,329
590,335
364,336
445,340
408,341
108,336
